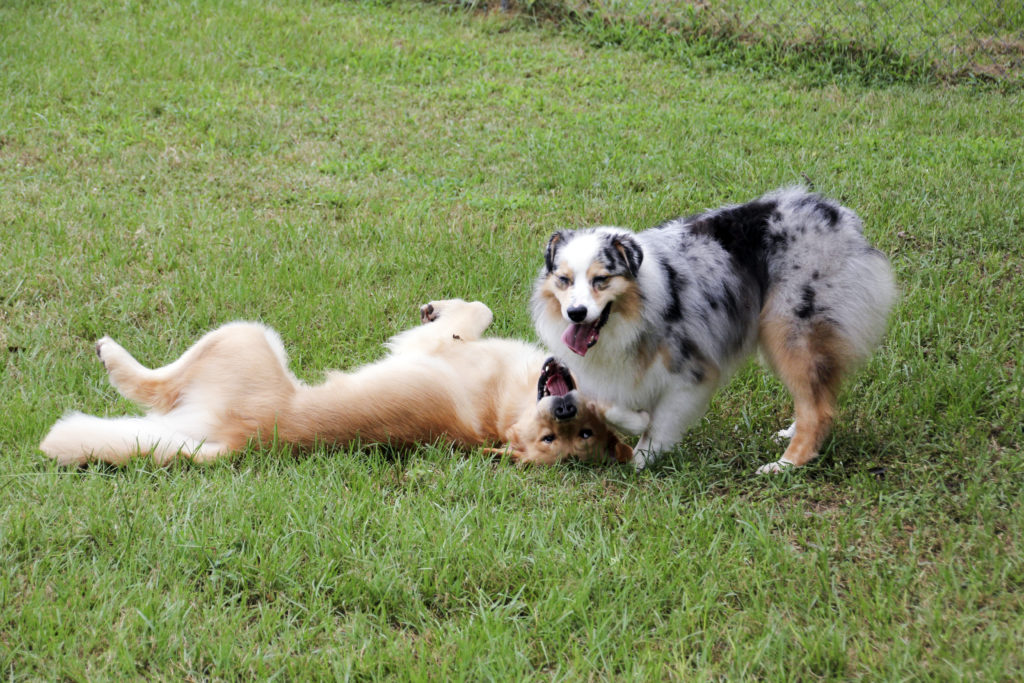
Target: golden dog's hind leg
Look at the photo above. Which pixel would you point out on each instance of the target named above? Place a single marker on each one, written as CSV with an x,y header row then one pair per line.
x,y
811,364
157,389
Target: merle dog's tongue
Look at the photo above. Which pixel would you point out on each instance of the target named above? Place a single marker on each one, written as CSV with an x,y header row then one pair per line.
x,y
580,337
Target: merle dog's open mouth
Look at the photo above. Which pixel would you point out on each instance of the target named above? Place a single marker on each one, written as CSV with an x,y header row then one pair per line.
x,y
581,336
555,380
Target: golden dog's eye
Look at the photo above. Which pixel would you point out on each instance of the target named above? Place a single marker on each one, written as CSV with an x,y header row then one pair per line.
x,y
562,281
600,282
548,438
586,433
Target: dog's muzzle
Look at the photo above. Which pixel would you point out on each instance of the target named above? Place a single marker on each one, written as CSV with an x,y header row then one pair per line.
x,y
556,385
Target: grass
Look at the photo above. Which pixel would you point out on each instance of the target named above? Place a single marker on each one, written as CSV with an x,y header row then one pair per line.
x,y
873,43
325,167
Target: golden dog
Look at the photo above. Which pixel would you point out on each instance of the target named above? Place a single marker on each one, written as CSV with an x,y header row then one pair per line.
x,y
439,382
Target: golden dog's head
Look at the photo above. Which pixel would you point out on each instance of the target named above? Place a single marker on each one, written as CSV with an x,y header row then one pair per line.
x,y
589,276
563,426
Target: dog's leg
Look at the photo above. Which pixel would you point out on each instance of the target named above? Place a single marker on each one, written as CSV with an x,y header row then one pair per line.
x,y
677,410
157,389
811,364
466,320
620,418
443,322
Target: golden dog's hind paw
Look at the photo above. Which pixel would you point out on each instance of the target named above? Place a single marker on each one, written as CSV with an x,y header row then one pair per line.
x,y
104,348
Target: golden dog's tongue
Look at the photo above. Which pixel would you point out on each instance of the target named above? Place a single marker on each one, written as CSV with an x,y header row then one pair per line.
x,y
579,337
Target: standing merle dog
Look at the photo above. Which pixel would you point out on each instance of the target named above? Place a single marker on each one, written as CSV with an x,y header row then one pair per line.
x,y
653,322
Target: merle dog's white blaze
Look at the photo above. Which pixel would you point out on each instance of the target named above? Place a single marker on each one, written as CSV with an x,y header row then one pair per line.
x,y
576,258
790,270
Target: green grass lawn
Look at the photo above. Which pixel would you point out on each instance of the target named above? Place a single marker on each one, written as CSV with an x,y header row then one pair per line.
x,y
325,168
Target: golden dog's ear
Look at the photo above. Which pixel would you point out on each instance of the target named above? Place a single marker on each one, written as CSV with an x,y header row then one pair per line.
x,y
513,449
622,452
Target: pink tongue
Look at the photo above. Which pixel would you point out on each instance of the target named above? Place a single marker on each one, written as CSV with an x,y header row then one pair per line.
x,y
557,386
579,338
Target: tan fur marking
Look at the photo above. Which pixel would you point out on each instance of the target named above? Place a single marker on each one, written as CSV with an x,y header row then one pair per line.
x,y
595,269
811,364
626,293
551,295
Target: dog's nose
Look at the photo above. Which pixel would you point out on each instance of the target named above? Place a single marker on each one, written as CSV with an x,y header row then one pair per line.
x,y
564,410
577,313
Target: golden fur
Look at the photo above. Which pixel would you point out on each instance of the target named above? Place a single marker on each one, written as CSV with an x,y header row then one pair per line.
x,y
440,382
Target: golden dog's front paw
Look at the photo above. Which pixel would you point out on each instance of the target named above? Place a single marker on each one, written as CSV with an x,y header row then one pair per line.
x,y
428,313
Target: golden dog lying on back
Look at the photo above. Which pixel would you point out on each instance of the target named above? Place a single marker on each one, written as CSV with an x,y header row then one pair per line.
x,y
440,381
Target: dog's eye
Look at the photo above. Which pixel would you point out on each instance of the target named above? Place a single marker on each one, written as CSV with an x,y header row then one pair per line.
x,y
563,281
548,438
586,433
600,282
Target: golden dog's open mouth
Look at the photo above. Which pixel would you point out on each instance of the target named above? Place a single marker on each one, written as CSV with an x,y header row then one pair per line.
x,y
555,380
579,337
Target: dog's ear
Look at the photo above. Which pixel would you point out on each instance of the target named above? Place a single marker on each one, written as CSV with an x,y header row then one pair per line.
x,y
619,450
630,251
554,244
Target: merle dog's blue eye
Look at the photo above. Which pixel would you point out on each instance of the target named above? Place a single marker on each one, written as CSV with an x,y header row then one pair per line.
x,y
586,433
600,282
547,438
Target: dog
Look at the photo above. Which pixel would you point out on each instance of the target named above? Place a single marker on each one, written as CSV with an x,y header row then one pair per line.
x,y
653,322
440,381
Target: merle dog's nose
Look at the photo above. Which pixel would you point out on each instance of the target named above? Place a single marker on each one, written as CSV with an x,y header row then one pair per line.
x,y
577,313
564,410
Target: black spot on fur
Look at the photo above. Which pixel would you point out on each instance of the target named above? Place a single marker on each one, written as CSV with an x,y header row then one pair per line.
x,y
821,206
687,349
743,232
732,307
777,242
611,258
815,275
806,308
830,213
676,282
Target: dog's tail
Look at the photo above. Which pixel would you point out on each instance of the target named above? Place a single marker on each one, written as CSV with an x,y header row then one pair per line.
x,y
78,438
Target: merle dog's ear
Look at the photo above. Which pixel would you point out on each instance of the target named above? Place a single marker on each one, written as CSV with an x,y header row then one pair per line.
x,y
554,244
630,251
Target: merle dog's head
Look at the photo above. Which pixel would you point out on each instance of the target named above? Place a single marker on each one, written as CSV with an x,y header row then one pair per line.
x,y
588,276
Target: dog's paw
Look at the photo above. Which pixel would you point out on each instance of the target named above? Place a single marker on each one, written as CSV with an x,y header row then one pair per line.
x,y
639,460
628,421
428,313
109,352
775,467
787,433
